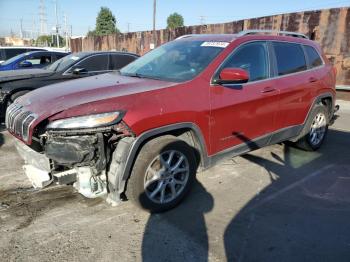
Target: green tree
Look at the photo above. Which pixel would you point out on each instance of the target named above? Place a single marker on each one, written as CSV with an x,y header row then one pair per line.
x,y
175,20
50,40
105,22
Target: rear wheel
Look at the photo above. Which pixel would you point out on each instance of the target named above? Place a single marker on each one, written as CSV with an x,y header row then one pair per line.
x,y
163,173
317,125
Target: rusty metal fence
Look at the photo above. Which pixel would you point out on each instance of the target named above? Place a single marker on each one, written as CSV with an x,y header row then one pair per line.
x,y
329,27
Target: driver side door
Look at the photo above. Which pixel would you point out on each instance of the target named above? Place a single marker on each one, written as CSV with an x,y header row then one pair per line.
x,y
243,113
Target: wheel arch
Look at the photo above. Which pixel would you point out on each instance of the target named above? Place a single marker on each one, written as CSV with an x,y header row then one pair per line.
x,y
188,132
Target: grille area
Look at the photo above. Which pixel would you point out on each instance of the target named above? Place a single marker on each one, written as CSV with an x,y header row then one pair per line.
x,y
18,120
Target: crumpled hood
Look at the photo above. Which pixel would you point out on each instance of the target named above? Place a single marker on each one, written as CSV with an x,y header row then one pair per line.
x,y
52,99
21,74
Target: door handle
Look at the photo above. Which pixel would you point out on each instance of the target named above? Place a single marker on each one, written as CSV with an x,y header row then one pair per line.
x,y
312,79
268,89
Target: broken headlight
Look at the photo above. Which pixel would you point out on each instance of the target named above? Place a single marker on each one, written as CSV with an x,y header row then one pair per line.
x,y
89,121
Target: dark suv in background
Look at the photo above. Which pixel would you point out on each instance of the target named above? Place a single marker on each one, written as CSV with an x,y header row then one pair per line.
x,y
16,83
143,132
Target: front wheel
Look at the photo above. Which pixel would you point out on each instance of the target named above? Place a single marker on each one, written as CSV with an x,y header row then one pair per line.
x,y
317,125
162,175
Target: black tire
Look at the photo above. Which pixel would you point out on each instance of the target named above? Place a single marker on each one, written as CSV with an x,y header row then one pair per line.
x,y
150,151
306,143
16,95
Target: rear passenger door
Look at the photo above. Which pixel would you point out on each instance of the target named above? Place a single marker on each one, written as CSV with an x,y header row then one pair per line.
x,y
295,83
241,113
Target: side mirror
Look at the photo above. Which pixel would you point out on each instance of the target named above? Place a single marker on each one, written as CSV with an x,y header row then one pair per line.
x,y
25,64
79,71
233,76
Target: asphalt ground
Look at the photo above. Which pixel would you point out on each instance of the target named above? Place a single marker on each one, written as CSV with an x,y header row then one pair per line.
x,y
274,204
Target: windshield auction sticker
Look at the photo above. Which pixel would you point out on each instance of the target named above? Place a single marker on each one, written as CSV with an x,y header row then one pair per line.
x,y
215,44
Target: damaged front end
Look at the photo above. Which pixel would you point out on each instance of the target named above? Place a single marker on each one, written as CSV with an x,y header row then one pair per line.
x,y
86,152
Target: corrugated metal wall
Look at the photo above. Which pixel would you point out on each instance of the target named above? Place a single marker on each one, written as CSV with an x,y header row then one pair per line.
x,y
329,27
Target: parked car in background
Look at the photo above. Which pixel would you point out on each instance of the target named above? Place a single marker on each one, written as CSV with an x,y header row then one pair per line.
x,y
33,59
141,133
7,52
16,83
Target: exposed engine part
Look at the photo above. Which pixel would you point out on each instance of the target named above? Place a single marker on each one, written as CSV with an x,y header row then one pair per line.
x,y
72,151
89,184
66,177
39,178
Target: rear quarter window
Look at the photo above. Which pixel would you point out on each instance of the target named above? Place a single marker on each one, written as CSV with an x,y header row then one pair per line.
x,y
314,59
290,58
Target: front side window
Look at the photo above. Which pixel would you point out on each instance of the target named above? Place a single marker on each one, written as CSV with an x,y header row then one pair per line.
x,y
66,62
251,57
313,57
94,63
290,58
38,59
177,61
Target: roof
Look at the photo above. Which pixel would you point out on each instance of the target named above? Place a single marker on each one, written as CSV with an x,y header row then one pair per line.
x,y
210,37
87,53
231,37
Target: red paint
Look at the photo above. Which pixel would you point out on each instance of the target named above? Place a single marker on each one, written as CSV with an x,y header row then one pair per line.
x,y
220,112
234,75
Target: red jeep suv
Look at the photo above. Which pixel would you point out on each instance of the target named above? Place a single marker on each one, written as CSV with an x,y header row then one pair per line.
x,y
143,132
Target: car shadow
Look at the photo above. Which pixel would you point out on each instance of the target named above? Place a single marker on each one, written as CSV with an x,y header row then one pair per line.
x,y
181,233
302,214
2,138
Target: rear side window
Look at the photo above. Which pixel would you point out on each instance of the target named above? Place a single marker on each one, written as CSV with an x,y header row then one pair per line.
x,y
290,58
11,52
313,57
94,63
251,57
119,61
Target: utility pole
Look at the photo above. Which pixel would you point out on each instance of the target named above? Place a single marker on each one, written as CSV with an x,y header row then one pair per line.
x,y
43,20
57,36
154,23
21,28
128,25
202,19
66,30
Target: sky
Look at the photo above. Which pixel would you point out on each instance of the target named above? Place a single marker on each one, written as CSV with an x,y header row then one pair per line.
x,y
137,15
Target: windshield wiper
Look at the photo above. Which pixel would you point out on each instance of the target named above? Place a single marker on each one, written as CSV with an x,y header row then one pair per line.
x,y
142,76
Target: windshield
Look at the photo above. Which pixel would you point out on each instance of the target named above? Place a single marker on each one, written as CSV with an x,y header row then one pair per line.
x,y
65,62
13,59
176,61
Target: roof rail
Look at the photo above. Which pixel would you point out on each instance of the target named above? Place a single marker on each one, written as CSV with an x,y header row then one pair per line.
x,y
272,32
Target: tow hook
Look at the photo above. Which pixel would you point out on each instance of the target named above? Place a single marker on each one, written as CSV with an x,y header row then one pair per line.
x,y
334,116
336,108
